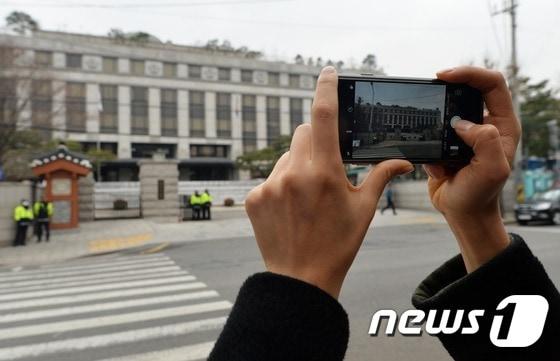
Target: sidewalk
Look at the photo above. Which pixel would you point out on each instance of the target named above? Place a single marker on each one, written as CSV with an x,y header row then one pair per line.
x,y
113,235
91,238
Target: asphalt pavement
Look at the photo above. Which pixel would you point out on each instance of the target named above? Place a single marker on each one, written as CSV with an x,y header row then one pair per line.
x,y
169,301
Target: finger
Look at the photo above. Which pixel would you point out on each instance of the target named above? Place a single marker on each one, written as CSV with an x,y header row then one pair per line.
x,y
372,187
435,171
491,83
281,164
489,159
324,118
300,148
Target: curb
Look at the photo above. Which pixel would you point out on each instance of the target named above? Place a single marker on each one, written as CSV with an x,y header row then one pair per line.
x,y
119,243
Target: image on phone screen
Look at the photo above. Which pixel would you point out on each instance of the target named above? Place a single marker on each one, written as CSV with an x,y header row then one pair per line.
x,y
396,120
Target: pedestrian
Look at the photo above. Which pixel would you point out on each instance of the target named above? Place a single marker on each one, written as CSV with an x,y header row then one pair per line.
x,y
389,198
42,211
206,200
195,202
23,216
291,312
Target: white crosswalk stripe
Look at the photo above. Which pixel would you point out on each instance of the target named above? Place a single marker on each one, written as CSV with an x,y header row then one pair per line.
x,y
128,306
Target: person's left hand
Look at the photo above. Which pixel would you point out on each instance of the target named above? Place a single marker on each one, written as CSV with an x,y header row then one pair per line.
x,y
309,220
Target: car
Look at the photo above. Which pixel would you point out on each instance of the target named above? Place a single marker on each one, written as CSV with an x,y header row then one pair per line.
x,y
544,207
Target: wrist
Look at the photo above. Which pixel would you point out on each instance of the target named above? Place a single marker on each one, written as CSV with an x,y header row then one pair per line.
x,y
481,236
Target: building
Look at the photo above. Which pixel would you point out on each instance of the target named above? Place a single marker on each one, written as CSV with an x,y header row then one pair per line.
x,y
389,117
200,106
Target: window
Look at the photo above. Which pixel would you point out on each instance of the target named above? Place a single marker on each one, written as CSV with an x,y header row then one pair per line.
x,y
294,81
274,79
8,101
249,123
147,150
108,117
296,112
169,112
139,110
110,65
43,58
246,76
195,71
170,70
138,67
197,113
272,118
41,105
207,150
224,74
76,107
223,114
74,61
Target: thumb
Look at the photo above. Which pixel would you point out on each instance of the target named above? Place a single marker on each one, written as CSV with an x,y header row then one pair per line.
x,y
378,177
489,157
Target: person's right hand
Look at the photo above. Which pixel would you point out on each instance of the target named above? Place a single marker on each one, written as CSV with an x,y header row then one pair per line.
x,y
469,198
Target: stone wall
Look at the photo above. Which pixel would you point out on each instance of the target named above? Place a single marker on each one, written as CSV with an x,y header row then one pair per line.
x,y
220,190
11,193
411,195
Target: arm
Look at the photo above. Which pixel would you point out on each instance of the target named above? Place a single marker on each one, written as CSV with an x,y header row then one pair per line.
x,y
309,223
492,265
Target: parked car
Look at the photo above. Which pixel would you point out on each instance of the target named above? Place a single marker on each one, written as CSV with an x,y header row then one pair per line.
x,y
543,206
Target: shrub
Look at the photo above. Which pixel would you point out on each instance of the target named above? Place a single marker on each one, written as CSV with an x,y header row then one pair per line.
x,y
120,205
229,202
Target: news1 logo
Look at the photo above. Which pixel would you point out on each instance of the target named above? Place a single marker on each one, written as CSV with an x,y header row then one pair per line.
x,y
518,321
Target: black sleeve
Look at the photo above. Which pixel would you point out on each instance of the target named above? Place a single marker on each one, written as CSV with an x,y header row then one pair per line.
x,y
281,318
516,271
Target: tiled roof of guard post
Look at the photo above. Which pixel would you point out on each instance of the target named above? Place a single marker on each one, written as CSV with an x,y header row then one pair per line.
x,y
61,152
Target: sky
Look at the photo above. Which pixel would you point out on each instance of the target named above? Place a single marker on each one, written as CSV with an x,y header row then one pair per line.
x,y
409,37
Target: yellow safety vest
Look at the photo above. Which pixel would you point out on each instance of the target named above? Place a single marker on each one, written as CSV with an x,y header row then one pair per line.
x,y
205,198
37,208
20,213
195,200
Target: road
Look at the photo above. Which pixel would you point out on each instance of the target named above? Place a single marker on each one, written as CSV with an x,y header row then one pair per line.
x,y
169,303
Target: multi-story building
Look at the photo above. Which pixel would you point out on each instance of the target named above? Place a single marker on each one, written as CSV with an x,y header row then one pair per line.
x,y
202,107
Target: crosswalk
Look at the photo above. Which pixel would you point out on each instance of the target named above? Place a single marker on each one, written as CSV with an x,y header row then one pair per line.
x,y
111,308
380,152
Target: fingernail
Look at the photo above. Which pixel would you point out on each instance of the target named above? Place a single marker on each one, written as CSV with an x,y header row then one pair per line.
x,y
427,171
460,124
448,70
408,170
328,69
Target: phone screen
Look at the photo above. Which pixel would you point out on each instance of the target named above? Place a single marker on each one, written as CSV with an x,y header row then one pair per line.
x,y
398,120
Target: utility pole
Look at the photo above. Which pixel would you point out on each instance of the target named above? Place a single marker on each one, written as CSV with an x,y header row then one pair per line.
x,y
511,10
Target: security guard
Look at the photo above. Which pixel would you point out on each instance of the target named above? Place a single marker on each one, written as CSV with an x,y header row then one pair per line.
x,y
196,204
42,211
206,200
23,216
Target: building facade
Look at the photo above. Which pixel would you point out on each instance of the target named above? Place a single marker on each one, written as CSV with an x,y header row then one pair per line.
x,y
202,107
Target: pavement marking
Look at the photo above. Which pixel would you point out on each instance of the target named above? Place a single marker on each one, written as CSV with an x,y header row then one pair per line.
x,y
97,260
105,245
82,281
98,296
83,343
156,248
196,352
111,320
36,315
21,276
94,288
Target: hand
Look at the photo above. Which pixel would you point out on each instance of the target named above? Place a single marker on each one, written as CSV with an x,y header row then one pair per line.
x,y
469,198
309,220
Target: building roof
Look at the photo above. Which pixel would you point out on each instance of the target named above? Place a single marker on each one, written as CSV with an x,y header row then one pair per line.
x,y
61,152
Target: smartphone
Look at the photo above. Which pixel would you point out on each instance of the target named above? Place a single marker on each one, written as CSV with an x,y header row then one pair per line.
x,y
404,118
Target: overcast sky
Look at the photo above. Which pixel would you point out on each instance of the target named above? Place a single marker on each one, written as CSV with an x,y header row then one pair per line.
x,y
409,37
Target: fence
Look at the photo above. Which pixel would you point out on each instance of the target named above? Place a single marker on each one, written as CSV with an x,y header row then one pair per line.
x,y
106,193
220,190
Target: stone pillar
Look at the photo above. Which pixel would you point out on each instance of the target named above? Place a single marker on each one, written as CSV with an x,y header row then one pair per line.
x,y
261,122
124,150
159,192
85,198
285,126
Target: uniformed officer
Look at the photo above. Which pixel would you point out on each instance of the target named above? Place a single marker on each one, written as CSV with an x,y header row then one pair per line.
x,y
43,211
23,216
195,205
206,200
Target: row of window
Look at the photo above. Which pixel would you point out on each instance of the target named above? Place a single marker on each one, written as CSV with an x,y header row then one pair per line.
x,y
139,111
138,67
